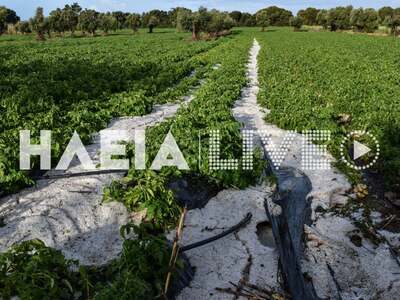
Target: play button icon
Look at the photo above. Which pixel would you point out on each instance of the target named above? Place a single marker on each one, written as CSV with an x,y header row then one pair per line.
x,y
360,150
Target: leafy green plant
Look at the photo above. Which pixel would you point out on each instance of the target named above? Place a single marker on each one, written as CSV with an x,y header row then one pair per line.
x,y
142,268
146,190
33,271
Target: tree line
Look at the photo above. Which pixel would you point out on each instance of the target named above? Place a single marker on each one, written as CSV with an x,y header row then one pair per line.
x,y
363,20
338,18
73,18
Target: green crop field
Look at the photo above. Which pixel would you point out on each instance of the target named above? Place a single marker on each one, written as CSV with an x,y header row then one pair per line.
x,y
83,91
309,79
80,84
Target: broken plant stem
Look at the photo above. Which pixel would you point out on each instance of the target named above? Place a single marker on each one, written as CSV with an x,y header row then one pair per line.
x,y
175,250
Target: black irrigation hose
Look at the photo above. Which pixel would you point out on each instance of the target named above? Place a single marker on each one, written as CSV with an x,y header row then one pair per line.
x,y
81,174
241,224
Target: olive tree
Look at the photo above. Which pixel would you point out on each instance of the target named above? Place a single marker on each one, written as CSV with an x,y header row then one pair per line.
x,y
38,24
47,26
322,18
89,21
248,20
133,22
309,15
277,16
195,22
236,16
7,16
11,16
218,22
3,24
121,18
70,17
393,22
23,27
339,18
107,23
56,21
296,23
153,22
364,20
262,18
184,20
384,13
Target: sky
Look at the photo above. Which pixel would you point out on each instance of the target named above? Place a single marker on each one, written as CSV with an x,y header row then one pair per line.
x,y
26,8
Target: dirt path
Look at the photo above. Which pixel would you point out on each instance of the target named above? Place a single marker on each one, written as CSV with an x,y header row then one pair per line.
x,y
67,214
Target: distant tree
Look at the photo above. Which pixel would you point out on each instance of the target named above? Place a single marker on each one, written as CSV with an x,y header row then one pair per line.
x,y
23,27
309,15
163,19
56,21
339,18
229,22
277,16
218,22
70,17
173,16
7,16
248,20
296,23
121,18
38,24
322,18
211,22
89,21
236,16
357,19
107,23
364,19
47,26
184,21
393,22
11,16
200,20
384,13
133,22
153,22
371,17
263,20
3,24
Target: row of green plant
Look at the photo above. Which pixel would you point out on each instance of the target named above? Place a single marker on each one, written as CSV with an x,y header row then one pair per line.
x,y
33,271
328,81
210,110
80,84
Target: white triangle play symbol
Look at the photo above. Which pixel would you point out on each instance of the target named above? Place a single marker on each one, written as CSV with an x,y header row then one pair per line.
x,y
359,150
